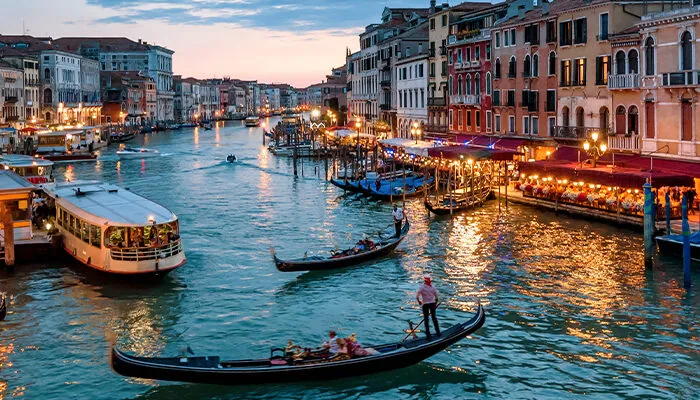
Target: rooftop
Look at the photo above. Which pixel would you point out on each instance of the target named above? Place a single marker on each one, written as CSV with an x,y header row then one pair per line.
x,y
11,182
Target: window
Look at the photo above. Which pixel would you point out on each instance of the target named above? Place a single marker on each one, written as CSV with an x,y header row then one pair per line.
x,y
633,121
686,120
535,125
459,84
565,73
602,70
489,121
477,84
551,105
469,118
551,125
512,68
511,98
497,40
686,51
512,37
459,56
488,83
552,64
451,119
459,119
565,33
526,66
477,119
444,68
488,51
533,103
47,74
580,72
496,98
580,31
524,98
649,56
450,86
526,125
444,20
633,62
532,34
497,69
477,53
511,124
620,63
468,85
535,65
551,31
468,54
650,119
620,120
432,69
498,123
432,24
603,27
506,39
449,57
420,70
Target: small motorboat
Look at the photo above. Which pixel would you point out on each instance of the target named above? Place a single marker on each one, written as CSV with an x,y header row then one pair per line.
x,y
122,137
252,121
137,152
3,307
290,367
672,245
66,157
231,159
386,243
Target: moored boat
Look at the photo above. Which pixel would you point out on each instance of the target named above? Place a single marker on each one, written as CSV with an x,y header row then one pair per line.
x,y
291,368
137,152
252,121
3,307
450,204
353,256
34,169
672,245
122,137
114,230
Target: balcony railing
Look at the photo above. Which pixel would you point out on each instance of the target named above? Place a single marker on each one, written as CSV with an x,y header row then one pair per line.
x,y
577,132
11,99
623,81
385,107
146,253
431,52
385,83
443,50
682,78
624,142
437,102
468,99
436,128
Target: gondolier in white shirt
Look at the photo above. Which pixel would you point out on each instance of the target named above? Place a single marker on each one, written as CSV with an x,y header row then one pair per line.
x,y
427,297
398,219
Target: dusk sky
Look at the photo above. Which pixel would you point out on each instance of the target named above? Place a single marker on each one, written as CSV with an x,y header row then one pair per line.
x,y
293,41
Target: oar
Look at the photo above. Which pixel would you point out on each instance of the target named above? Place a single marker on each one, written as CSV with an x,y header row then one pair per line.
x,y
412,331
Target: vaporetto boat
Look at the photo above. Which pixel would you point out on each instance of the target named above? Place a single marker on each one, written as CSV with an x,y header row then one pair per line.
x,y
137,152
114,230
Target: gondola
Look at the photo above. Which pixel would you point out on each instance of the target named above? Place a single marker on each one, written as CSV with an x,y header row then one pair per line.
x,y
282,368
318,263
3,307
121,138
413,189
444,208
350,186
672,245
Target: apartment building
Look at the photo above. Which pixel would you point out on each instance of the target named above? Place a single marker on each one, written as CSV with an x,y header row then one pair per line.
x,y
11,95
411,76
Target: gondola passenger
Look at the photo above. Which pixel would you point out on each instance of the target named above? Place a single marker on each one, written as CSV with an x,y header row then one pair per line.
x,y
332,343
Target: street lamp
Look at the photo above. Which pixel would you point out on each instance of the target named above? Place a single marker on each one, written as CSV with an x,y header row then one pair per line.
x,y
316,113
595,149
416,131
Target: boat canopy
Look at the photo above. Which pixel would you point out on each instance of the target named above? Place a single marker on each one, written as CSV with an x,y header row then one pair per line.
x,y
465,152
107,204
347,133
409,145
22,161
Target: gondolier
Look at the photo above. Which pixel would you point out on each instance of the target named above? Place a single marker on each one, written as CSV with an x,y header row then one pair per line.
x,y
398,219
427,297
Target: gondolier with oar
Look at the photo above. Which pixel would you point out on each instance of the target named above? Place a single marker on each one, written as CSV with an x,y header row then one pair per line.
x,y
399,216
427,297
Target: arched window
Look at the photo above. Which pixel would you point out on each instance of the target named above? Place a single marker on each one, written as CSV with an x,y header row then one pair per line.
x,y
48,96
633,61
535,65
633,121
620,63
620,120
686,51
459,84
489,83
47,74
468,85
512,70
649,56
477,84
552,64
526,65
497,69
604,119
579,116
565,116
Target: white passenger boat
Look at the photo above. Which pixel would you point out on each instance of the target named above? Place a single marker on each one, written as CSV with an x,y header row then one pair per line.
x,y
35,170
138,152
252,121
114,230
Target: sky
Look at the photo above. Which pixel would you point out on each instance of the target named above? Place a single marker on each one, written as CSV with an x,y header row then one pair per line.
x,y
291,41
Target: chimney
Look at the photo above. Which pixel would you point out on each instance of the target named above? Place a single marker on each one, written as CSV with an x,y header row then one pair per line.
x,y
139,41
432,5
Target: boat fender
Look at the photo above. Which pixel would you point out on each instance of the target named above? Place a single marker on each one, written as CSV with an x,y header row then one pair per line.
x,y
89,260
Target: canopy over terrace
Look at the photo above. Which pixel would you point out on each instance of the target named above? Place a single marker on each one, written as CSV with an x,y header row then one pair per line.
x,y
493,142
349,134
466,153
409,145
605,175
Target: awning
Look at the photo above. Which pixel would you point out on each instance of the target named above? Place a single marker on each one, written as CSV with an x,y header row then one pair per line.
x,y
474,153
493,142
346,133
409,145
605,175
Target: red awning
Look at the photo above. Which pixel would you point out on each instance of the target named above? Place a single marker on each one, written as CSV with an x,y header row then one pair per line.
x,y
494,142
474,153
605,175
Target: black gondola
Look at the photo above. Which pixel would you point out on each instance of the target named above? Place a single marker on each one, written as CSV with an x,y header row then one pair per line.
x,y
285,369
344,258
350,186
3,307
121,138
458,206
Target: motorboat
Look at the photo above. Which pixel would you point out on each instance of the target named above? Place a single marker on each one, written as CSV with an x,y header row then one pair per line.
x,y
122,137
672,245
231,158
137,152
252,121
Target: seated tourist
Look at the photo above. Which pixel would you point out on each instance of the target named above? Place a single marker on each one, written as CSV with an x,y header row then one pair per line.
x,y
356,350
332,343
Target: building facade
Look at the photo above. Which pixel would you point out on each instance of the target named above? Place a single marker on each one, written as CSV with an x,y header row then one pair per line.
x,y
11,95
411,92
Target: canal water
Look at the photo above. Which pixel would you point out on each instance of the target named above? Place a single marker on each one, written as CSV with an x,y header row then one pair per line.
x,y
571,310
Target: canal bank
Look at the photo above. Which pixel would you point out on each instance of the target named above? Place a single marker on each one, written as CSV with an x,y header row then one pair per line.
x,y
571,310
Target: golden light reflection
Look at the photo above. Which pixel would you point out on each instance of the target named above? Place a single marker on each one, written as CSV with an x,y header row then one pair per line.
x,y
196,137
119,167
70,173
264,157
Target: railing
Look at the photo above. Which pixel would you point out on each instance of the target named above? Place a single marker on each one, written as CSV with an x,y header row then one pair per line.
x,y
443,50
11,99
624,142
431,52
437,102
623,81
385,83
436,128
577,132
469,99
458,65
682,78
146,253
385,107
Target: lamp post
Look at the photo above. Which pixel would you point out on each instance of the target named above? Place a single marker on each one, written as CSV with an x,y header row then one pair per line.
x,y
416,131
595,149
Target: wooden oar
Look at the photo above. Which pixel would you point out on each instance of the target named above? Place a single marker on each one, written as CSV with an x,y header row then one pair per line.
x,y
414,330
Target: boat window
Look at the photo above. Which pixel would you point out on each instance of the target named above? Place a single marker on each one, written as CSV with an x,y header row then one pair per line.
x,y
84,231
114,237
71,224
65,219
95,235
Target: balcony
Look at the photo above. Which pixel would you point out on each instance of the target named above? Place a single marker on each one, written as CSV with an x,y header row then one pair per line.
x,y
443,50
468,64
436,129
431,52
385,107
349,87
385,84
11,99
576,132
683,78
437,102
466,99
624,142
623,81
458,65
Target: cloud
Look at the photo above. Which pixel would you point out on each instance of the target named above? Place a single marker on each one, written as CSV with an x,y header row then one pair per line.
x,y
283,15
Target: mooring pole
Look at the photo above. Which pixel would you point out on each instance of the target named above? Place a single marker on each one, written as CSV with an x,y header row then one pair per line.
x,y
686,243
668,213
648,225
9,231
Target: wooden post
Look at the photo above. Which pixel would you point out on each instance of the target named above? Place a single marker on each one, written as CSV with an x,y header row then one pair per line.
x,y
506,184
668,213
686,243
449,186
403,169
9,230
617,198
499,189
648,225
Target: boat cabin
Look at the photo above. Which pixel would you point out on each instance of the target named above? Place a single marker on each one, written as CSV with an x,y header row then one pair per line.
x,y
15,196
35,170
